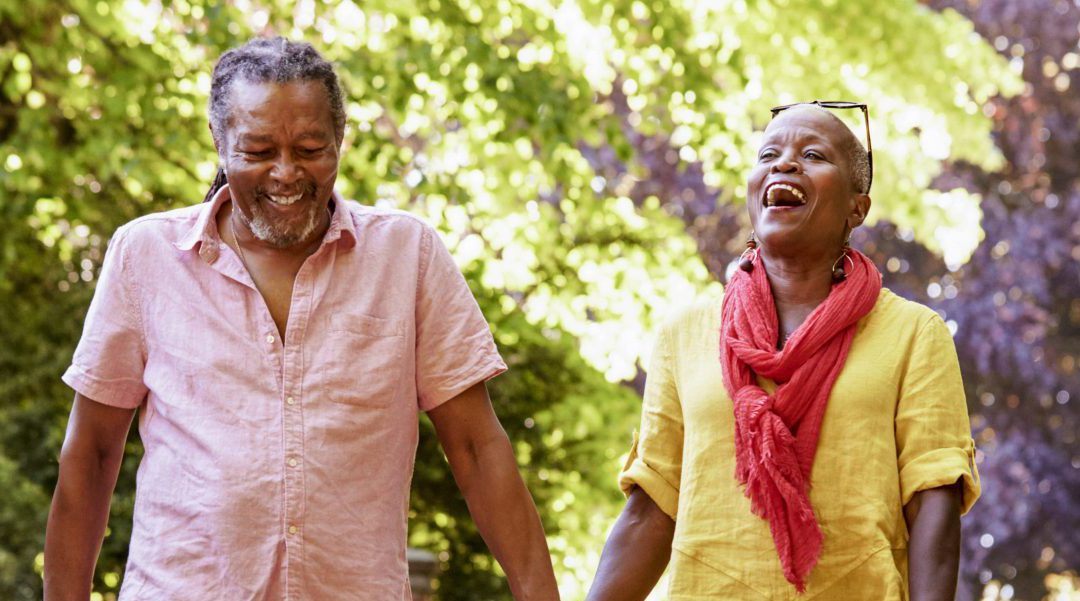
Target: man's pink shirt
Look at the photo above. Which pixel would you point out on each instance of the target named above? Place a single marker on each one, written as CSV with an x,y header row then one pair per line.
x,y
277,469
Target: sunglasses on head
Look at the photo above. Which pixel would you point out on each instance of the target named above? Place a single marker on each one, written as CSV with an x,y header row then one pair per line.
x,y
840,104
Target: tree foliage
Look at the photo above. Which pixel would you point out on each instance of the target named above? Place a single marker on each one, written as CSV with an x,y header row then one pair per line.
x,y
584,161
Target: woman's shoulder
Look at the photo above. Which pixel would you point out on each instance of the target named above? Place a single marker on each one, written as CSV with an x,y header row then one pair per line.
x,y
899,317
897,308
701,314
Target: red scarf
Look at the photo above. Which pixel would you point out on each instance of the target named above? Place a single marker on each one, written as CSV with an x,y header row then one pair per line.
x,y
776,435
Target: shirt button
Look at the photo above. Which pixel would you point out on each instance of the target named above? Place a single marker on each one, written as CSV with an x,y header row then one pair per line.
x,y
292,529
270,339
290,401
293,462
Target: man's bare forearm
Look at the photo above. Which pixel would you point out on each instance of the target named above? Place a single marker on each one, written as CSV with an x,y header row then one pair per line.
x,y
89,464
77,520
933,518
636,553
506,516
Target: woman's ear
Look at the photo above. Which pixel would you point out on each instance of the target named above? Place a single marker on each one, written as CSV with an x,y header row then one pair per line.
x,y
859,209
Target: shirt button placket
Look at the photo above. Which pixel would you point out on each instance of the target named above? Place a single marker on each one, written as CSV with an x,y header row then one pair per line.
x,y
293,415
293,420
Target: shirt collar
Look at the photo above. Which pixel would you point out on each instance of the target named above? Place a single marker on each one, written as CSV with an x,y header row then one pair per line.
x,y
205,234
341,223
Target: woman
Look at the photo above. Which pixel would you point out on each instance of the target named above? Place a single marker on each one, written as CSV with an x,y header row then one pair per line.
x,y
827,454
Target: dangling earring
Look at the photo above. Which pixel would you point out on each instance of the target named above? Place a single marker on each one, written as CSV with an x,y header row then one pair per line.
x,y
839,274
746,261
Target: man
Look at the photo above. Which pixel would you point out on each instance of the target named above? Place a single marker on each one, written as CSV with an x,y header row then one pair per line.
x,y
824,452
279,342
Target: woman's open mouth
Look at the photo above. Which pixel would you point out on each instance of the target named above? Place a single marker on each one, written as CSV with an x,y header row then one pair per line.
x,y
783,196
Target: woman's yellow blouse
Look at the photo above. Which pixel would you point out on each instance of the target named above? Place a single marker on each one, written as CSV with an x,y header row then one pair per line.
x,y
896,423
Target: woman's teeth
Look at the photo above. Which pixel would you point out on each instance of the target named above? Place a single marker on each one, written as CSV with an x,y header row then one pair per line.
x,y
773,194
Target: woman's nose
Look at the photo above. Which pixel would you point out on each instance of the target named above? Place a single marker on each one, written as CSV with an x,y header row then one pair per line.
x,y
785,164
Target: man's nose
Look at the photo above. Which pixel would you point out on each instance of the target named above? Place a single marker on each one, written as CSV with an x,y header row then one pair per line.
x,y
286,169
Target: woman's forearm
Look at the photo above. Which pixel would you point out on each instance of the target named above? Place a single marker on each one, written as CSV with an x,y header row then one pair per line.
x,y
934,546
636,553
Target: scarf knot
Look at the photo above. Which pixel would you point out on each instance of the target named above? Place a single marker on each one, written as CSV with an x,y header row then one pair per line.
x,y
756,404
776,434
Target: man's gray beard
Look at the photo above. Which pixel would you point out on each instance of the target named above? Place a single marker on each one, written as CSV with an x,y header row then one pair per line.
x,y
263,228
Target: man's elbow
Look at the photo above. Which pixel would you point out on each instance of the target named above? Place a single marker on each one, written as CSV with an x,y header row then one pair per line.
x,y
480,455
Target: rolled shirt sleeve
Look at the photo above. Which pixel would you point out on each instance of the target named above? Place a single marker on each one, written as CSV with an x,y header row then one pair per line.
x,y
655,462
454,345
111,355
933,434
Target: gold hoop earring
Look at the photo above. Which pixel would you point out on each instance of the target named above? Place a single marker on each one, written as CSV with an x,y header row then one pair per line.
x,y
839,274
746,260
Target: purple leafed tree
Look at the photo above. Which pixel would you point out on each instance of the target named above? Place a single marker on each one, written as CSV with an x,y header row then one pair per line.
x,y
1017,306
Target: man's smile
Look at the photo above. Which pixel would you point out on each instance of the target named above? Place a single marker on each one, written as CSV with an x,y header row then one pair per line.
x,y
285,200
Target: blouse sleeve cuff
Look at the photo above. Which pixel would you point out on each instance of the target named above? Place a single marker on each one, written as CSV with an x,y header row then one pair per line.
x,y
943,467
638,473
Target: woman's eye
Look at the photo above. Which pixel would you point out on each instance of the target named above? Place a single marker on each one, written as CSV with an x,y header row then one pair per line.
x,y
259,154
311,151
811,154
768,154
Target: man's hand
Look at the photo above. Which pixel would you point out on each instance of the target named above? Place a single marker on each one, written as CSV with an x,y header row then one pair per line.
x,y
636,553
89,464
485,470
933,520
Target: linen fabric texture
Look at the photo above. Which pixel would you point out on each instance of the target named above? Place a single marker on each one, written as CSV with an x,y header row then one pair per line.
x,y
277,469
896,423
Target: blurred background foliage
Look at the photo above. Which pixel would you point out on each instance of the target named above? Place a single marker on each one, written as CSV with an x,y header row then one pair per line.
x,y
584,161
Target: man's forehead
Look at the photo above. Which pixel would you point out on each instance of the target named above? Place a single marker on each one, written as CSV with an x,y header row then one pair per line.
x,y
246,93
259,136
301,105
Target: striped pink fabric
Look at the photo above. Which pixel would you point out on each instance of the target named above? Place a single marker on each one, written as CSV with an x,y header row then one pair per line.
x,y
277,469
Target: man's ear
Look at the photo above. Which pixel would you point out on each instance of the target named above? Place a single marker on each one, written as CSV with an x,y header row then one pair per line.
x,y
859,209
217,141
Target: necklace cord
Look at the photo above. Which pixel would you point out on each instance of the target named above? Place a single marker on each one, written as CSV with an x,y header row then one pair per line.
x,y
236,240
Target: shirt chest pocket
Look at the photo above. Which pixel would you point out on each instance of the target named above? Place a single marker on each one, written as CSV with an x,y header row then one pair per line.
x,y
361,362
